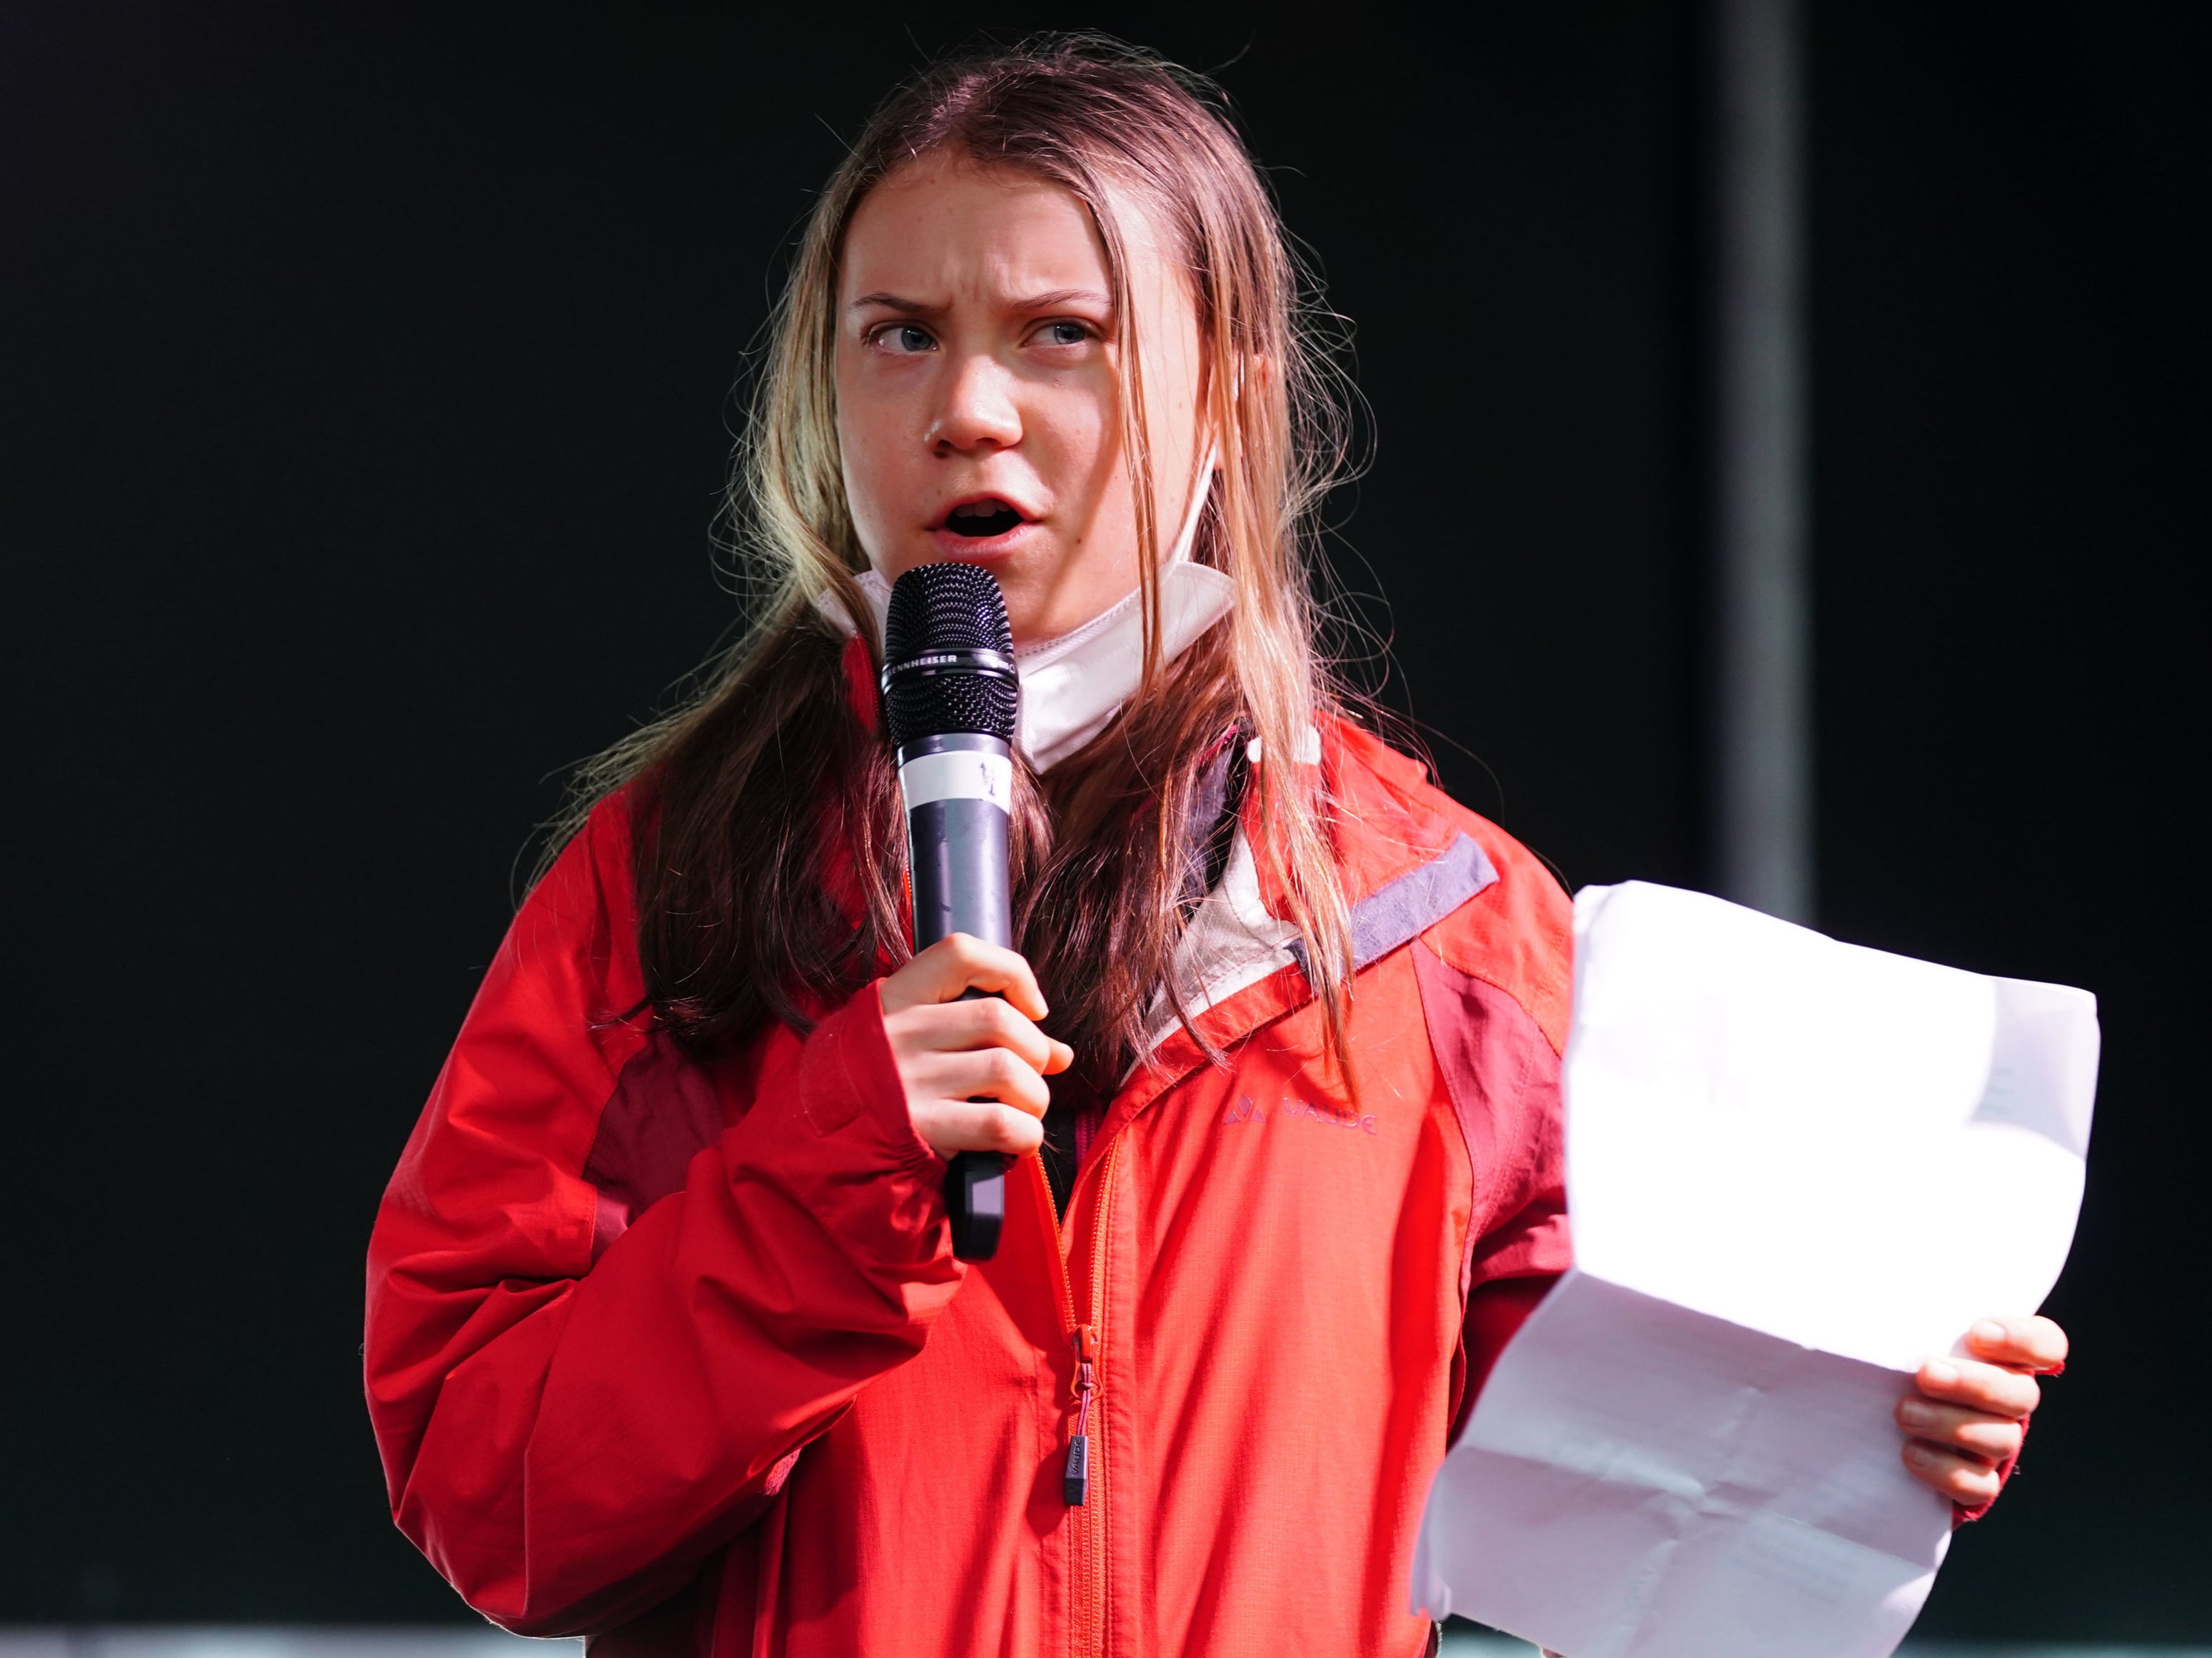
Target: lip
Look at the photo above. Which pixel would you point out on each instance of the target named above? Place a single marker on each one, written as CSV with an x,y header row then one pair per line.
x,y
982,548
1029,516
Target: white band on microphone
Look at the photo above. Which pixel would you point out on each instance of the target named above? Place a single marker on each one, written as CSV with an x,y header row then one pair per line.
x,y
959,775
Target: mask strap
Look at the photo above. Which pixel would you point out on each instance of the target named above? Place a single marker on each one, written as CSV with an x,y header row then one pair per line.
x,y
1187,536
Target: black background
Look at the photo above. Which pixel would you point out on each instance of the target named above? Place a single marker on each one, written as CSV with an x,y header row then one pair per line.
x,y
366,395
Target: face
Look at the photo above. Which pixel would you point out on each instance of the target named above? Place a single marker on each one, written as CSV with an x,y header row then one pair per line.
x,y
978,402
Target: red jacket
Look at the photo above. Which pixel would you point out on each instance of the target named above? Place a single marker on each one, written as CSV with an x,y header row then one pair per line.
x,y
679,1355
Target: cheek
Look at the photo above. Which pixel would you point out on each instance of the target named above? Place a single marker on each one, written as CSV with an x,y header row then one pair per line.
x,y
1076,442
869,454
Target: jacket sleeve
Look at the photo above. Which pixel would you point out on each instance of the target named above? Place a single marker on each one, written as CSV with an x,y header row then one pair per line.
x,y
565,1438
1514,1265
1501,1074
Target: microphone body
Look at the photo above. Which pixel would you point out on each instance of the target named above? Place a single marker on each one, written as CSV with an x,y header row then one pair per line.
x,y
959,798
951,698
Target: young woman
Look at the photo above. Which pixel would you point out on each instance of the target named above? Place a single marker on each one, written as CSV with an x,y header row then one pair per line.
x,y
666,1342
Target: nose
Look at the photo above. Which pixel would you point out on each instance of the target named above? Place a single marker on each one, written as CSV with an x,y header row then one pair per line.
x,y
977,411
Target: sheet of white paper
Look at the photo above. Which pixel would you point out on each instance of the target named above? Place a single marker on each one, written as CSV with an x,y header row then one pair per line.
x,y
1689,1448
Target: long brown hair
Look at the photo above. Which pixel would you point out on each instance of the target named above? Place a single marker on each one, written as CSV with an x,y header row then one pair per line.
x,y
766,811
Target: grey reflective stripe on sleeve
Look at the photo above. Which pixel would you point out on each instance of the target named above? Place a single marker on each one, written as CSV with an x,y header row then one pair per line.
x,y
1401,910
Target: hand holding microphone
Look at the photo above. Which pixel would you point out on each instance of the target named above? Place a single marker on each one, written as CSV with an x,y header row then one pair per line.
x,y
961,1015
974,1070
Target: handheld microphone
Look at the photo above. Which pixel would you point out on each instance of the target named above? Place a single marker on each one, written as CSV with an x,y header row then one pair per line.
x,y
951,699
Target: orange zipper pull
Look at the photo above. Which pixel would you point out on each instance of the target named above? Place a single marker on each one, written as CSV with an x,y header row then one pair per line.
x,y
1075,1483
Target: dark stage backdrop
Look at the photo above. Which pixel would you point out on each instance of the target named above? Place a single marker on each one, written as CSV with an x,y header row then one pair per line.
x,y
366,398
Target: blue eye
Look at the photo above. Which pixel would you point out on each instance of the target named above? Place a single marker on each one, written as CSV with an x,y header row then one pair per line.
x,y
904,338
1064,333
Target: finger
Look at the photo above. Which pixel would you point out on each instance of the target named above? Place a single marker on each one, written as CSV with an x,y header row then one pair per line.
x,y
991,1073
1980,1386
2030,1344
973,1125
1996,1438
958,963
986,1022
1958,1475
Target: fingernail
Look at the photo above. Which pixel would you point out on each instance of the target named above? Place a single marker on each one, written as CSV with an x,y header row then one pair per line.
x,y
1916,1413
1915,1452
1943,1374
1989,1329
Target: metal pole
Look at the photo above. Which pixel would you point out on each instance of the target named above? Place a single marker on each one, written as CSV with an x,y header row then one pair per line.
x,y
1763,712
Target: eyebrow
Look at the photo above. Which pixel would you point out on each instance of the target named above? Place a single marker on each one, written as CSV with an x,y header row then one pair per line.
x,y
1060,296
889,302
1047,302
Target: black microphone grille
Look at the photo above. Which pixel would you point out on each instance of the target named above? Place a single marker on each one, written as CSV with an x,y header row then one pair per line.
x,y
948,655
945,607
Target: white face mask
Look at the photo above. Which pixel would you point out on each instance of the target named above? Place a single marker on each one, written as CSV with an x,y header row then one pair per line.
x,y
1072,685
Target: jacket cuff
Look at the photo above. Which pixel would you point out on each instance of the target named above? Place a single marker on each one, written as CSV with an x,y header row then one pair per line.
x,y
849,1151
849,1070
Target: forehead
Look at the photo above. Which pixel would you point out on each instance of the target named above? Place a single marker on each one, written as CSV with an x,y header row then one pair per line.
x,y
944,228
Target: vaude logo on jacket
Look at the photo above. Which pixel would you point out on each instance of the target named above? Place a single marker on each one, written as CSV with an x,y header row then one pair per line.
x,y
1296,1110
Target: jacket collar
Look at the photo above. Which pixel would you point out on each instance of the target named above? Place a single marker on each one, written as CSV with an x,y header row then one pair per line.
x,y
1405,864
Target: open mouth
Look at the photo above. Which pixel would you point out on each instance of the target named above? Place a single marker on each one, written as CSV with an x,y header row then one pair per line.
x,y
981,519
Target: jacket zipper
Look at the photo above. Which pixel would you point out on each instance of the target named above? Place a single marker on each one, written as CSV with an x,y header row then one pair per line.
x,y
1075,1480
1083,1482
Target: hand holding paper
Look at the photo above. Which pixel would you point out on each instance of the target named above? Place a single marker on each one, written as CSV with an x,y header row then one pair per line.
x,y
1968,1413
1690,1448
